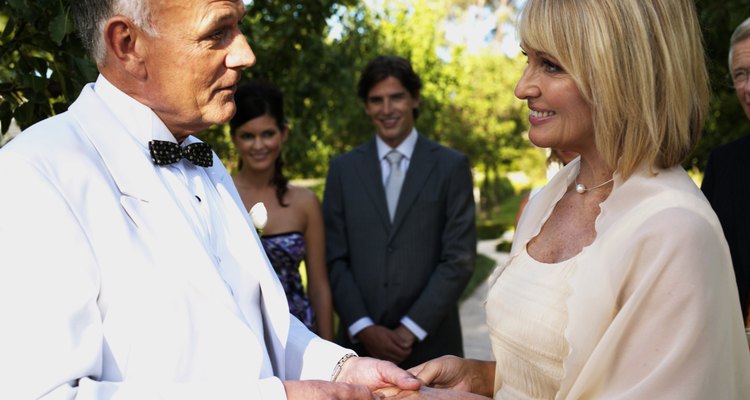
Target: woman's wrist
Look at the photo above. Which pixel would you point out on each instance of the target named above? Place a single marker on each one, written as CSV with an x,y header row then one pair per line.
x,y
484,382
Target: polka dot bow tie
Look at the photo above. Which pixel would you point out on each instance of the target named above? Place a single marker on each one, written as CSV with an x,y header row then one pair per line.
x,y
165,152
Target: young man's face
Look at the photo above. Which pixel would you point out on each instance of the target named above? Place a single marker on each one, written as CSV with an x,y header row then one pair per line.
x,y
390,107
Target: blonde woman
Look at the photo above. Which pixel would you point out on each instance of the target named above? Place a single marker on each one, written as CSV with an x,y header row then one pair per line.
x,y
619,282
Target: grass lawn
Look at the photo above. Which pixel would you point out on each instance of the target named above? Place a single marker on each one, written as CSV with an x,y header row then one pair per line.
x,y
502,218
482,269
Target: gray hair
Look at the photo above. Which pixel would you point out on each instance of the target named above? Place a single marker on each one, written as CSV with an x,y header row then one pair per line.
x,y
741,33
92,15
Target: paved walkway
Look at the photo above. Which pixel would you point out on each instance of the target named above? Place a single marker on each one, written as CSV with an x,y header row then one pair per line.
x,y
473,322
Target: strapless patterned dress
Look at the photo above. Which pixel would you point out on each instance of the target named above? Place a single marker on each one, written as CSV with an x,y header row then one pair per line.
x,y
286,251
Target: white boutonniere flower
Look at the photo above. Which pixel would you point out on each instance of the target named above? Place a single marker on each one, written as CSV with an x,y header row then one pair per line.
x,y
259,216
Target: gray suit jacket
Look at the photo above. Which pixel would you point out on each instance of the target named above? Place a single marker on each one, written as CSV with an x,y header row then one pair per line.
x,y
416,266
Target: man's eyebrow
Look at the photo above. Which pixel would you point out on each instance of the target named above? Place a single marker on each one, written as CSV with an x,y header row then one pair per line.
x,y
222,16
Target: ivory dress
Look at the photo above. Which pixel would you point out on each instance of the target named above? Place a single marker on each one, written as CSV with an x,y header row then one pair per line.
x,y
527,327
649,310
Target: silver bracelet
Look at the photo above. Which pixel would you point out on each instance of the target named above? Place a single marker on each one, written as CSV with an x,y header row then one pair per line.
x,y
340,365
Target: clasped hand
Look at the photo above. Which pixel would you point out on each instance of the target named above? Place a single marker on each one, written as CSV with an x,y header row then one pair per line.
x,y
394,345
449,378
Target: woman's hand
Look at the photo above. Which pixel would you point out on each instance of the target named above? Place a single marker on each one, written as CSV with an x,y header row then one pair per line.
x,y
457,373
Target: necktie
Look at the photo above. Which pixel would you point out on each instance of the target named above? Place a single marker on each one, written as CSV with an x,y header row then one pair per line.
x,y
395,181
165,152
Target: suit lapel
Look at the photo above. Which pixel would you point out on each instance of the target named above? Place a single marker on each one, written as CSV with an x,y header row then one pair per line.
x,y
166,237
420,167
240,236
371,176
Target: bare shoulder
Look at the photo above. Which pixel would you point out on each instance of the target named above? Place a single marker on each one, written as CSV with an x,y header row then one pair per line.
x,y
302,197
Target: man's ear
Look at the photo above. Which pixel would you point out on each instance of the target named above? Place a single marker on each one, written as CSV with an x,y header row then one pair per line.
x,y
122,39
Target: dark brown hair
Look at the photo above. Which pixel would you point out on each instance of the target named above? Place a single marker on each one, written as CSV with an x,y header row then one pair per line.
x,y
254,100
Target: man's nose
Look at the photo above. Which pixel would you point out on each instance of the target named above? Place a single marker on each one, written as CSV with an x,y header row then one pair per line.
x,y
240,54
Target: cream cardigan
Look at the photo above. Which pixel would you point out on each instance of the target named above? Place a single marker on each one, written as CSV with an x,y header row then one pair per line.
x,y
653,312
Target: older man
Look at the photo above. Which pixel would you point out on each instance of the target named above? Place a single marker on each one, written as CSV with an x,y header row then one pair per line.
x,y
726,182
128,267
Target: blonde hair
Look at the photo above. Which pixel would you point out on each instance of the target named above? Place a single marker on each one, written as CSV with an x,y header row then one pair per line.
x,y
640,65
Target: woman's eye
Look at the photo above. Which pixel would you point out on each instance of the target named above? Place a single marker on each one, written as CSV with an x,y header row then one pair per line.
x,y
246,136
551,67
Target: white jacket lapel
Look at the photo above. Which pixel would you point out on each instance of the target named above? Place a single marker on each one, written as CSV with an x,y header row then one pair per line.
x,y
165,234
247,249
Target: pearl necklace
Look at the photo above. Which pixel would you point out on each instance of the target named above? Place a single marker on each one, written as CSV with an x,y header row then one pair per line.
x,y
581,188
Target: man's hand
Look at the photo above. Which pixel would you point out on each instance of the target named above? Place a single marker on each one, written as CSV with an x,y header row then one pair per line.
x,y
384,343
313,390
457,373
377,375
407,337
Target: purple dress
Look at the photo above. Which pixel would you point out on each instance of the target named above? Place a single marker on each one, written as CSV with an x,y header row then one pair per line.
x,y
286,251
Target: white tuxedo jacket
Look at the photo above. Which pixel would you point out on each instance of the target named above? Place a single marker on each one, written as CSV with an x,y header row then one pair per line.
x,y
106,291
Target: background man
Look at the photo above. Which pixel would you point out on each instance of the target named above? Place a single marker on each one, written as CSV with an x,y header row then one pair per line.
x,y
726,182
400,229
127,271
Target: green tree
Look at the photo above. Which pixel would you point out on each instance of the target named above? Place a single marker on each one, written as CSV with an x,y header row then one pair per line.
x,y
292,50
43,66
467,98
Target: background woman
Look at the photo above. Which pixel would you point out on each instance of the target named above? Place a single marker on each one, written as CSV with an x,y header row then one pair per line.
x,y
619,283
295,224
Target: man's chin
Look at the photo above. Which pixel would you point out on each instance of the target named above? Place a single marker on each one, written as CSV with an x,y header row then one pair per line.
x,y
222,115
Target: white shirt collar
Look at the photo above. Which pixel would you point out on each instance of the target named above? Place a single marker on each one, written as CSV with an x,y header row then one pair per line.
x,y
406,147
138,119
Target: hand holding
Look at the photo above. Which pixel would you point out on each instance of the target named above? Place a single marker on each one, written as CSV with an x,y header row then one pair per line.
x,y
457,373
314,390
377,375
384,343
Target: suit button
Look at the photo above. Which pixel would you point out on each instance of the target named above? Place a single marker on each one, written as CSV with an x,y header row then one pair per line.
x,y
390,249
385,285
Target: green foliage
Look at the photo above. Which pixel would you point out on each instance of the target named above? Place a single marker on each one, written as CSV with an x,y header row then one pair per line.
x,y
490,229
483,267
504,246
492,224
317,75
467,100
43,65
